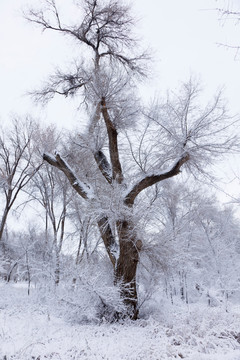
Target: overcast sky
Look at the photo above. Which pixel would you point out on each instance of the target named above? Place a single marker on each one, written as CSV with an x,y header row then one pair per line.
x,y
183,34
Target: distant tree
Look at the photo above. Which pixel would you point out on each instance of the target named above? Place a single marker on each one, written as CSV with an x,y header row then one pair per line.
x,y
193,241
51,191
116,173
84,230
18,164
26,260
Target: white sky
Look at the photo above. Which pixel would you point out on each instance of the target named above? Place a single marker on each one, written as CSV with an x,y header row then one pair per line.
x,y
183,33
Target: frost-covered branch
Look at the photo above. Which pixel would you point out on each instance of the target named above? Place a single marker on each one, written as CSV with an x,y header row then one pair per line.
x,y
106,29
150,180
66,84
82,189
103,165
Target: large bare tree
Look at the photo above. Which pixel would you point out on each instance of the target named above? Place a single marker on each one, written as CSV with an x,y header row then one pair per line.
x,y
170,134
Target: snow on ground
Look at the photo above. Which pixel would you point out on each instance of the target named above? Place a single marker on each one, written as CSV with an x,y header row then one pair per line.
x,y
30,328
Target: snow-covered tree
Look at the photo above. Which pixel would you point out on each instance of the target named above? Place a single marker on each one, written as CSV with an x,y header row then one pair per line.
x,y
52,192
193,243
175,132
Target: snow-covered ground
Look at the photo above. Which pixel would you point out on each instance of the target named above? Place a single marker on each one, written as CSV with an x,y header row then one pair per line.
x,y
32,328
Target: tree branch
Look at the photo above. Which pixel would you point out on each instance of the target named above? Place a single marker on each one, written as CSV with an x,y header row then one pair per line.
x,y
66,84
38,18
148,181
103,165
108,238
82,189
113,144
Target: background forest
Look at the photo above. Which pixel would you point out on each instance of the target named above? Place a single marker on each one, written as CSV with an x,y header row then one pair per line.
x,y
120,218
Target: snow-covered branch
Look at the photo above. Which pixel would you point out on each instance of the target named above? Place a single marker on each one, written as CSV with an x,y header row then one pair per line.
x,y
152,179
82,189
103,165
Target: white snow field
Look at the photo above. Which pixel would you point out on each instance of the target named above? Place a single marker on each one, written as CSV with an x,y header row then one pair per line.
x,y
31,327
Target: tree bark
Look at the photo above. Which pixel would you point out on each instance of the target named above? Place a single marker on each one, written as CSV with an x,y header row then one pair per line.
x,y
126,267
113,144
150,180
108,238
3,223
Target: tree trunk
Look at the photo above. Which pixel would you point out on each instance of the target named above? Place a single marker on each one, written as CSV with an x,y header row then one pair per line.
x,y
126,267
3,223
57,268
57,259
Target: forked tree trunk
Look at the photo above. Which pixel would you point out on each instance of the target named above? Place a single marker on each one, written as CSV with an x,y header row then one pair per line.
x,y
126,267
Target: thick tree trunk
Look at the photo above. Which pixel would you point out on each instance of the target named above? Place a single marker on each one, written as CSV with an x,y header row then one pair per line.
x,y
126,267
